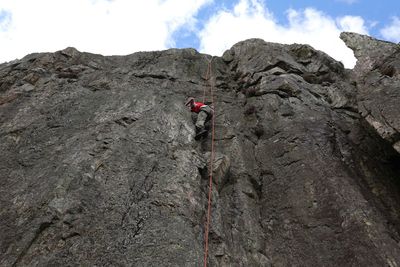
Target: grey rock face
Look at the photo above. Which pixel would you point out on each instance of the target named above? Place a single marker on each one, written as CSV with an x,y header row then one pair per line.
x,y
367,50
99,166
378,83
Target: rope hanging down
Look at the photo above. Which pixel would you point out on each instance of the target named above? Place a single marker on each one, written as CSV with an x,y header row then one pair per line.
x,y
210,170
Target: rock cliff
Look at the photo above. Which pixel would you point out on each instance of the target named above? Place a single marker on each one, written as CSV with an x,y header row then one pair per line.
x,y
99,167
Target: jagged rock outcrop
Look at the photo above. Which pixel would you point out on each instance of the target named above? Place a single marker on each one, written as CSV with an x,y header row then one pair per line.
x,y
378,77
99,166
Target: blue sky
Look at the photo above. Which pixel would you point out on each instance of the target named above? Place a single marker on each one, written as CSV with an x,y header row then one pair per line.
x,y
373,11
376,14
118,27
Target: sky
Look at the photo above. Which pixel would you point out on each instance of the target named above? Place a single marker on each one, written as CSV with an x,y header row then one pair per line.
x,y
121,27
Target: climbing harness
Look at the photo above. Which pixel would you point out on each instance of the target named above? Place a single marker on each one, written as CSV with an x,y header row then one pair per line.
x,y
207,225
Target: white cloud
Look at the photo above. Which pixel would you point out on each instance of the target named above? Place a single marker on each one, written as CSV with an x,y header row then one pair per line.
x,y
392,31
353,24
98,26
372,24
126,26
5,20
250,19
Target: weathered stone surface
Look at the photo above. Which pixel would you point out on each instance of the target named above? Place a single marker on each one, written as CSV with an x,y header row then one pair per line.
x,y
99,166
367,50
378,78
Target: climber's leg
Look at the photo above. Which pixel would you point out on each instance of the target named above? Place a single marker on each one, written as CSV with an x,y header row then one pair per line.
x,y
201,119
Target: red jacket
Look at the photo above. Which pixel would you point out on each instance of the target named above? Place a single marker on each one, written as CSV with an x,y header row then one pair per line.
x,y
197,107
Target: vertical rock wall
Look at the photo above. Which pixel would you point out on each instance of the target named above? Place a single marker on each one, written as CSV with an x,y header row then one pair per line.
x,y
99,165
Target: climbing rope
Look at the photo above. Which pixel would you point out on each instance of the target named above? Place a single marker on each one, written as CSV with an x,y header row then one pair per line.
x,y
207,226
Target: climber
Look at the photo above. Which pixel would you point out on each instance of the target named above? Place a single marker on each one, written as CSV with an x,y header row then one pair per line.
x,y
204,112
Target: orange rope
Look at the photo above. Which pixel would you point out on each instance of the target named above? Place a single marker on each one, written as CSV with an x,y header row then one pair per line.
x,y
210,169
